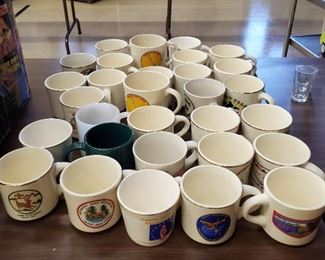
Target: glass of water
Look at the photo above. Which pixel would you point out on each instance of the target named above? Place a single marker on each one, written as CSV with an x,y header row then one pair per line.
x,y
302,82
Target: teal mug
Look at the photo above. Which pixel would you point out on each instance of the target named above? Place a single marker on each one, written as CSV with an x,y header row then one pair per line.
x,y
111,139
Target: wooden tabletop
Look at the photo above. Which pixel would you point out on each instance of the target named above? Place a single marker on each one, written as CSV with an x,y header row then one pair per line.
x,y
53,237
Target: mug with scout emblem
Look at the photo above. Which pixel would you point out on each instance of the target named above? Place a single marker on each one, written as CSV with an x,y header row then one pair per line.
x,y
111,46
84,63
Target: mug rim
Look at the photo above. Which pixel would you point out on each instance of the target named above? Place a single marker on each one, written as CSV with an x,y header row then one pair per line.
x,y
244,76
64,73
100,58
216,69
146,34
189,50
106,40
93,57
220,85
93,84
197,40
191,64
227,45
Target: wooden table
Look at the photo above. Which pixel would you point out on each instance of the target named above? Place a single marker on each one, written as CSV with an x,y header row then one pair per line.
x,y
53,237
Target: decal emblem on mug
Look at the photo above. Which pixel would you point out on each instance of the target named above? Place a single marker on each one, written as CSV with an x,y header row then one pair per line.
x,y
134,101
161,230
151,58
25,201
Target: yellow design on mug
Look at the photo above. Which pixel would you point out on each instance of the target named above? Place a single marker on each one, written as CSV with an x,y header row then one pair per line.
x,y
151,58
133,101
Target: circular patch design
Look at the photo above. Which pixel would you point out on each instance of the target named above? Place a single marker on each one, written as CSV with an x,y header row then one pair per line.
x,y
25,201
213,227
133,101
151,58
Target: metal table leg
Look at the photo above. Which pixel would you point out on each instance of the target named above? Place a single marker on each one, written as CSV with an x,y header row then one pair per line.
x,y
168,18
289,28
75,21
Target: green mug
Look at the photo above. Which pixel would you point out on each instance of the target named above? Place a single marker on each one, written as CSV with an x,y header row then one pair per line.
x,y
111,139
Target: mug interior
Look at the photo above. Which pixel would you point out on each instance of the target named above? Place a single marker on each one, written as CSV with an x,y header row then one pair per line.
x,y
266,117
282,149
244,84
190,55
91,175
151,118
233,66
204,88
147,81
94,114
185,42
114,60
77,60
148,192
192,71
296,188
24,165
111,45
45,133
227,51
223,149
167,72
81,96
160,148
148,40
65,80
211,186
106,77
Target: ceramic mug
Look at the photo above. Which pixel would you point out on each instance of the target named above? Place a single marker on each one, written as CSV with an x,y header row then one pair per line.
x,y
164,151
111,46
201,92
185,42
119,61
229,150
148,207
89,186
259,119
273,150
58,83
144,88
110,139
187,56
210,203
153,118
28,187
244,90
212,118
84,63
110,80
290,207
52,134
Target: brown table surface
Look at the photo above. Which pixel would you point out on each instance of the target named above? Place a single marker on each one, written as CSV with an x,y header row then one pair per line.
x,y
53,237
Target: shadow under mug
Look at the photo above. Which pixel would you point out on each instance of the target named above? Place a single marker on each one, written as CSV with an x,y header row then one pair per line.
x,y
111,139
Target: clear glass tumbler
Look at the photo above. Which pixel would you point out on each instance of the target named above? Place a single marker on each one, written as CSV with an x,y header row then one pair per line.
x,y
302,82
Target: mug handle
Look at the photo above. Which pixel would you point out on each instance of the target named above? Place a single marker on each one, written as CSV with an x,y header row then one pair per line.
x,y
315,169
191,145
247,190
74,147
58,168
178,96
186,124
251,205
132,70
124,115
251,59
205,48
108,95
266,97
171,46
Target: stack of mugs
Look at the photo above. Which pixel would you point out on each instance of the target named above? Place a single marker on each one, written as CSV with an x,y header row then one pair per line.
x,y
165,91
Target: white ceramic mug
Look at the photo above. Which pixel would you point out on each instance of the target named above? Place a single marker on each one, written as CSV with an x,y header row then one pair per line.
x,y
234,66
89,186
84,63
28,187
111,46
144,88
229,150
210,203
148,207
94,114
244,90
187,56
52,134
186,72
201,92
259,119
164,151
72,99
290,207
273,150
111,80
153,118
212,118
119,61
185,42
59,82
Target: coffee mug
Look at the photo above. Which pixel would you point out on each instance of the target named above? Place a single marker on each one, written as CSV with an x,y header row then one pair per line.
x,y
148,207
119,61
28,186
201,92
72,99
52,134
84,63
144,88
212,118
233,66
164,151
186,72
153,118
111,139
259,119
291,206
185,42
111,46
244,90
273,150
148,50
187,56
112,81
210,203
59,82
225,51
94,114
89,186
229,150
